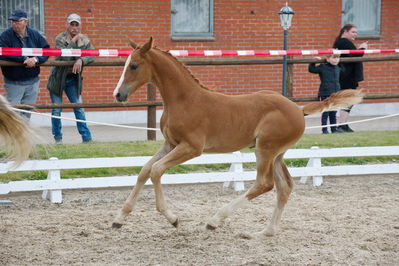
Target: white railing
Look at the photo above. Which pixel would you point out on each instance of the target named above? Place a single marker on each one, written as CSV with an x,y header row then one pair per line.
x,y
52,187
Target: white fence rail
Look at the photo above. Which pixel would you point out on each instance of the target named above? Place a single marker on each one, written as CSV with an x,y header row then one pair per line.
x,y
52,187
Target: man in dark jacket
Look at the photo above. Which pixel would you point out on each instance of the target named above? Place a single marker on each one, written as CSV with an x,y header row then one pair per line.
x,y
22,82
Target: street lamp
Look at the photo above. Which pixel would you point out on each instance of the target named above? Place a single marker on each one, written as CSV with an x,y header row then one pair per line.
x,y
286,14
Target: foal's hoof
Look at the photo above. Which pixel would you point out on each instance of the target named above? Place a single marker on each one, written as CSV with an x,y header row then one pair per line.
x,y
116,225
176,223
271,231
210,227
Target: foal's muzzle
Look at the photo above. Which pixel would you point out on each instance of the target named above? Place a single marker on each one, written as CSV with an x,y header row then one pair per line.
x,y
121,97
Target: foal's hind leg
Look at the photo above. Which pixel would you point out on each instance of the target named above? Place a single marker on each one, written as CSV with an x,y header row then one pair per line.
x,y
284,186
141,180
264,183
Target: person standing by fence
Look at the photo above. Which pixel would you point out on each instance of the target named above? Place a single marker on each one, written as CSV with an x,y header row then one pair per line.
x,y
353,71
329,76
22,82
69,79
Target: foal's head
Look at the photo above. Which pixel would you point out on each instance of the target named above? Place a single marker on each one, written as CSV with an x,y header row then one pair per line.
x,y
135,73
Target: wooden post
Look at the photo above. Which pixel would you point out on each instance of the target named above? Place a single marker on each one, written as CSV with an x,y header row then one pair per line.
x,y
236,168
151,112
54,195
290,77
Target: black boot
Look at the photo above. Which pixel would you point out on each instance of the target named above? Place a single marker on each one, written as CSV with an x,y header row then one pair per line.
x,y
346,128
336,130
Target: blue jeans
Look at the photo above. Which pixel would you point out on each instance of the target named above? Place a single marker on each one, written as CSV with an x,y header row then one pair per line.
x,y
71,90
22,92
332,116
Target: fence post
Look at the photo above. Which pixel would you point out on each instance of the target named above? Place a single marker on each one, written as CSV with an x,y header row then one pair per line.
x,y
313,162
235,168
151,112
290,76
55,196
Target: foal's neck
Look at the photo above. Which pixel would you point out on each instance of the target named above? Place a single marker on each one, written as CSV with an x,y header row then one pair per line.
x,y
172,77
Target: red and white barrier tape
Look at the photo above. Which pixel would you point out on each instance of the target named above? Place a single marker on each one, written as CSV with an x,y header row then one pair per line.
x,y
275,52
62,52
114,52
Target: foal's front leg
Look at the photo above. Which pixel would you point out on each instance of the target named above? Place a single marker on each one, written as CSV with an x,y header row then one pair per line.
x,y
144,175
178,155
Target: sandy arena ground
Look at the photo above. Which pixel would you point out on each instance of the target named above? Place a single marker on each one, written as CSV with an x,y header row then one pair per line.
x,y
347,221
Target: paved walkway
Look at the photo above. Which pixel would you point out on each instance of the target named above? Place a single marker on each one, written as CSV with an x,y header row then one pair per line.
x,y
110,134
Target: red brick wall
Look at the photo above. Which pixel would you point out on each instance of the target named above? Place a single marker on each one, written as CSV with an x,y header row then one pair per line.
x,y
315,25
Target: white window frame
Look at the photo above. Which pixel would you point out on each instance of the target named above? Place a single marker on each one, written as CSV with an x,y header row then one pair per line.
x,y
352,16
34,9
194,35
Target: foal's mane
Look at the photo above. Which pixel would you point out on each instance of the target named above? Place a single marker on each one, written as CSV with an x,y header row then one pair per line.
x,y
184,67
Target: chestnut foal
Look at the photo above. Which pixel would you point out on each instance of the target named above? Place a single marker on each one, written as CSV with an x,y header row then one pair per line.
x,y
196,120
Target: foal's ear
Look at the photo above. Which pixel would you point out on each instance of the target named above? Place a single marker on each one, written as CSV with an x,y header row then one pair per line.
x,y
146,47
133,44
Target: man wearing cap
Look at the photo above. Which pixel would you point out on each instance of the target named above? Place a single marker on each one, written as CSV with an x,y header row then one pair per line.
x,y
22,82
68,79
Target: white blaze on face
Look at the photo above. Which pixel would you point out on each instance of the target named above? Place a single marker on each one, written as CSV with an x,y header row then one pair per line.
x,y
122,78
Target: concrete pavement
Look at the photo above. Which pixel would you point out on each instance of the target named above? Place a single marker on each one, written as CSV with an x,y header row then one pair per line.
x,y
111,134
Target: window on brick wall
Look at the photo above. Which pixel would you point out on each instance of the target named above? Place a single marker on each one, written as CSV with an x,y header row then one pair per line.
x,y
34,9
192,19
365,14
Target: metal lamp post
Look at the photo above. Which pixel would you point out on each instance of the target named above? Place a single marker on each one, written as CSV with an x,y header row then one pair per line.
x,y
286,14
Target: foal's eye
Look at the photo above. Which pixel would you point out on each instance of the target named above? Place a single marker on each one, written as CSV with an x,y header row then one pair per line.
x,y
133,67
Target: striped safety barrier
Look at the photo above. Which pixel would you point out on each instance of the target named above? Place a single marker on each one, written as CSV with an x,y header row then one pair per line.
x,y
62,52
114,52
275,52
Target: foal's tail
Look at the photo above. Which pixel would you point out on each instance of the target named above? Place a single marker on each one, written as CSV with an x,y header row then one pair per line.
x,y
340,100
15,134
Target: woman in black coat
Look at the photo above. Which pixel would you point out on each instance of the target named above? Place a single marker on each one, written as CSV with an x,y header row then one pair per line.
x,y
353,73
